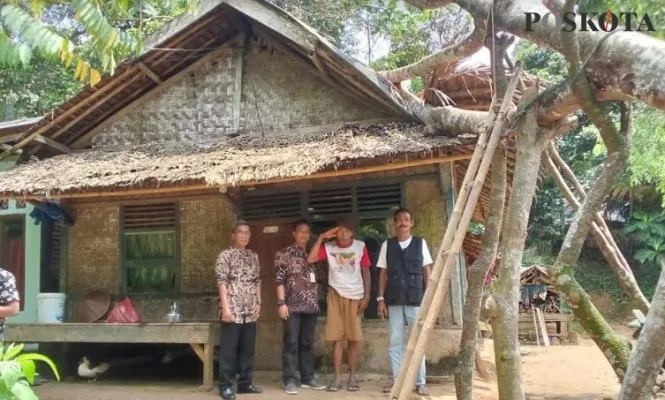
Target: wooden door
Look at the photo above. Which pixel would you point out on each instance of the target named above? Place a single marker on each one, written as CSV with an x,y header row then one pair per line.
x,y
267,240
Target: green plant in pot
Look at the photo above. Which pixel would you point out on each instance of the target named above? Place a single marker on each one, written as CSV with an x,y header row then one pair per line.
x,y
17,372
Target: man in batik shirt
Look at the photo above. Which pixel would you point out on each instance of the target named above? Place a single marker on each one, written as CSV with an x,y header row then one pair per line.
x,y
9,298
238,279
298,306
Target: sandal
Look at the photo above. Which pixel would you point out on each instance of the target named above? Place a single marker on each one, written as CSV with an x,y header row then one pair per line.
x,y
353,384
422,390
334,386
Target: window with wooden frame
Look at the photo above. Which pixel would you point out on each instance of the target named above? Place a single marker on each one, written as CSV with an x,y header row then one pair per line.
x,y
150,248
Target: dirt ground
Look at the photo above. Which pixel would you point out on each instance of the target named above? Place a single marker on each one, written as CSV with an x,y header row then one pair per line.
x,y
578,372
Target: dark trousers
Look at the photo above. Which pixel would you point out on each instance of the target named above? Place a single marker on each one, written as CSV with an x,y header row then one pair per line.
x,y
236,354
298,340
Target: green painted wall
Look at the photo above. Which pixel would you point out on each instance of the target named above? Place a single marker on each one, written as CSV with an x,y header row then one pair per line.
x,y
33,242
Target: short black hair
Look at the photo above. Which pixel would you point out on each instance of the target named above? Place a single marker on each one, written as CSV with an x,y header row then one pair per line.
x,y
301,222
240,222
402,210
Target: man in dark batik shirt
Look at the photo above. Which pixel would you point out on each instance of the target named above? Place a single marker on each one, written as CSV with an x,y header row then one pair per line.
x,y
239,282
9,298
298,307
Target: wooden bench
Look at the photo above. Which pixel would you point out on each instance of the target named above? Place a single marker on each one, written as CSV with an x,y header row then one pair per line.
x,y
201,336
556,324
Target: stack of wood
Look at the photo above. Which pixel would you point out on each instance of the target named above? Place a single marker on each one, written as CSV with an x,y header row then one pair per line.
x,y
542,314
538,290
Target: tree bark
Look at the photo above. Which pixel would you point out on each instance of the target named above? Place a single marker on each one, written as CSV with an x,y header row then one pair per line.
x,y
498,47
625,66
650,350
530,145
476,277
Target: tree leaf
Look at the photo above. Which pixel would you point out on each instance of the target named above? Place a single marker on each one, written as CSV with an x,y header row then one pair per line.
x,y
95,76
12,351
40,357
28,369
23,391
10,372
644,255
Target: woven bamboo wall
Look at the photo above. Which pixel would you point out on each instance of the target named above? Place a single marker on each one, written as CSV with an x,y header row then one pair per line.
x,y
278,94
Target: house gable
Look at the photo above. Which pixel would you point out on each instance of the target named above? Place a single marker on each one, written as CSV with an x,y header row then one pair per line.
x,y
278,94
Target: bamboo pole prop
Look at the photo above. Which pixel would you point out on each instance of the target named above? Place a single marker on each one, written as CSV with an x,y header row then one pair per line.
x,y
437,268
568,173
608,247
415,352
446,242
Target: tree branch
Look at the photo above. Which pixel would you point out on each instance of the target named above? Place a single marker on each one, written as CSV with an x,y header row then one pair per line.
x,y
470,44
626,67
443,121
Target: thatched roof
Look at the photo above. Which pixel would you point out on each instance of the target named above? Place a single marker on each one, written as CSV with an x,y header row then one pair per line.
x,y
227,161
215,24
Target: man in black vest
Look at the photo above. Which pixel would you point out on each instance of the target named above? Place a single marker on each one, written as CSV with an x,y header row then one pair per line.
x,y
405,267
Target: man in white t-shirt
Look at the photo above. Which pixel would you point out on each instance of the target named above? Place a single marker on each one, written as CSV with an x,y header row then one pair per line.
x,y
348,294
405,268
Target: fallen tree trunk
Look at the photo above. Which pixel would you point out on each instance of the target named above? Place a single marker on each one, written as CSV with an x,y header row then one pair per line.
x,y
648,357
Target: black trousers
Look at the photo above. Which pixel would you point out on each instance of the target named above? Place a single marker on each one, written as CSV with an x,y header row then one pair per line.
x,y
236,354
298,341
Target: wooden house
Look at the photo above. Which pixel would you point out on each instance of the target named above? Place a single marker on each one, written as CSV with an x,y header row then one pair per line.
x,y
239,110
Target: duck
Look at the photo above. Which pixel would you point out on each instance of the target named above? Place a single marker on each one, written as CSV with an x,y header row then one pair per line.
x,y
85,371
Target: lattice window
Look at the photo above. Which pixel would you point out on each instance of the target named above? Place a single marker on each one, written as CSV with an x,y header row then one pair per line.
x,y
150,248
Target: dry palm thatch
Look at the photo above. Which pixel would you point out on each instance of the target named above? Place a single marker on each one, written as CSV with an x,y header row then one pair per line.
x,y
226,161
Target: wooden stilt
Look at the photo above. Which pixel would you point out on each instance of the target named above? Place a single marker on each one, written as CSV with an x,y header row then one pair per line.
x,y
535,324
543,328
419,336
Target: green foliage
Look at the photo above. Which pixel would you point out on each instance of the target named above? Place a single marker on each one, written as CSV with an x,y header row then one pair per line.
x,y
476,228
649,230
546,64
95,38
34,89
655,10
647,225
17,372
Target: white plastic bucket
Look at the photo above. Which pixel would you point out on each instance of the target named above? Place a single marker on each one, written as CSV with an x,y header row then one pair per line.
x,y
51,307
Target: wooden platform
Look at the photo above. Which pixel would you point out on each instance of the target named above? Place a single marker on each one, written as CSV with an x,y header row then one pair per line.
x,y
556,324
201,336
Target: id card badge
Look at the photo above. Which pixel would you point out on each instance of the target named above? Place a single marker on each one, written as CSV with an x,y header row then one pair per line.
x,y
312,277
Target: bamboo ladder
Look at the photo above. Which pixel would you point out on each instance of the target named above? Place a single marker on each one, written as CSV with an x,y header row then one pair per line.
x,y
451,244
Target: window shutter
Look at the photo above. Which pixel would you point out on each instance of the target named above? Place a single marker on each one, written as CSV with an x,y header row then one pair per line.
x,y
150,216
330,202
379,197
257,206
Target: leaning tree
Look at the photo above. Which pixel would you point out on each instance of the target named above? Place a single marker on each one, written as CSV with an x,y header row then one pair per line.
x,y
619,67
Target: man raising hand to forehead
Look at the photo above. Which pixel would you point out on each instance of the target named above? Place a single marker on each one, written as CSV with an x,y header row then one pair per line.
x,y
348,294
